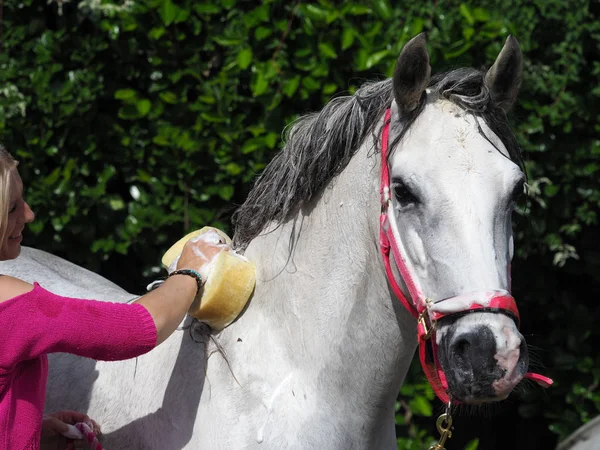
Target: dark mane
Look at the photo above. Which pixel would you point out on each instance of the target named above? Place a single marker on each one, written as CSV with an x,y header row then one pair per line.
x,y
318,146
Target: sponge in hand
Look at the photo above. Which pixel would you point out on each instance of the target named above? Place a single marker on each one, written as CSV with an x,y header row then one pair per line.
x,y
228,287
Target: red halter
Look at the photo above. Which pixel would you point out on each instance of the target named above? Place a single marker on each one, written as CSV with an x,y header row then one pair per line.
x,y
423,309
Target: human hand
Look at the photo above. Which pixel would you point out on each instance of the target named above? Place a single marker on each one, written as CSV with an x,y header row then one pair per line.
x,y
200,251
61,424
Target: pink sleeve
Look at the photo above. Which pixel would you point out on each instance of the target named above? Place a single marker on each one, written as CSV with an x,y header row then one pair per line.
x,y
40,322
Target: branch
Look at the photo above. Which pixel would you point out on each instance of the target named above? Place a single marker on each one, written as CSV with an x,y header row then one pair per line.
x,y
287,30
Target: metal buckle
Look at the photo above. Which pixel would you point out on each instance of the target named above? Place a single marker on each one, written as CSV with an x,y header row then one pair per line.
x,y
422,321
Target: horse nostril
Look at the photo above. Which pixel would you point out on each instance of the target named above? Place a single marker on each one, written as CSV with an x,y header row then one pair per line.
x,y
475,350
461,348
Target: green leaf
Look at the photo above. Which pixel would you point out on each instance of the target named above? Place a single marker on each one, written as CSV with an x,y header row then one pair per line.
x,y
182,15
311,84
227,41
143,106
168,97
125,94
244,58
550,190
252,145
472,445
156,33
260,13
259,84
291,85
116,204
358,10
262,33
375,58
360,58
257,15
163,141
168,11
332,16
492,29
327,50
347,38
468,33
329,88
416,26
233,169
465,11
213,118
53,177
207,8
208,99
480,15
128,112
301,53
383,9
462,48
421,406
314,12
271,140
226,192
36,227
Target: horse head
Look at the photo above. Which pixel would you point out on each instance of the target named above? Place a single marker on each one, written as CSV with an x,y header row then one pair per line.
x,y
454,178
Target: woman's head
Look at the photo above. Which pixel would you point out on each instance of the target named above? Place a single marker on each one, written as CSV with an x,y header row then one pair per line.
x,y
14,211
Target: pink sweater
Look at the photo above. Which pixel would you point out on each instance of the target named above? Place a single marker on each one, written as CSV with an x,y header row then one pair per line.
x,y
39,322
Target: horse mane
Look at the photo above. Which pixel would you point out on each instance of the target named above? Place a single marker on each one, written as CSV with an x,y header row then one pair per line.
x,y
318,146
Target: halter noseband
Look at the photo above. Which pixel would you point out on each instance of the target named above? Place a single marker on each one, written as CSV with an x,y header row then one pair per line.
x,y
426,311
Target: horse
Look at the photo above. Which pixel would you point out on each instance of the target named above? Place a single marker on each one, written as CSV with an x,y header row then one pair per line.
x,y
317,358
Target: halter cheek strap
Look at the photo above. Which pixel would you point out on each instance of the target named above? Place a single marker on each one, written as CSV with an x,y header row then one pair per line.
x,y
423,309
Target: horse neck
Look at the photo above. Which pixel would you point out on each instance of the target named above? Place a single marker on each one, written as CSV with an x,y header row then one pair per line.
x,y
324,308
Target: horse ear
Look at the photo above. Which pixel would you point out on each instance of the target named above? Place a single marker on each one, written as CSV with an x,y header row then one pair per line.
x,y
411,74
503,79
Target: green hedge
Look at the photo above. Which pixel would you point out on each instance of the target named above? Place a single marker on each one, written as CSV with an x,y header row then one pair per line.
x,y
137,121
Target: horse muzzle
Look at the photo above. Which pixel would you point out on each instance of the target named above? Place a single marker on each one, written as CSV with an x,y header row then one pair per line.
x,y
483,357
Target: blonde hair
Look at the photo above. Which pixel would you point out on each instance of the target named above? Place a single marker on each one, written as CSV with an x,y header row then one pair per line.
x,y
7,163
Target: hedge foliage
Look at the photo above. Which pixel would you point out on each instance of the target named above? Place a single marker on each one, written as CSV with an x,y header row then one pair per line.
x,y
136,121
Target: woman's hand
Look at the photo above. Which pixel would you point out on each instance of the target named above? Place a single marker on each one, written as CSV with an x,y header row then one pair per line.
x,y
169,303
200,251
57,424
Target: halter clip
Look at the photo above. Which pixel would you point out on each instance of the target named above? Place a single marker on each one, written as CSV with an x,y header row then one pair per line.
x,y
426,331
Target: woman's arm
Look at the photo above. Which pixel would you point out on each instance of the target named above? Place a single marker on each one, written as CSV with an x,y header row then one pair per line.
x,y
169,303
36,321
39,322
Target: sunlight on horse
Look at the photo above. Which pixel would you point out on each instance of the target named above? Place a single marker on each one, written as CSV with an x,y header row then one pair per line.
x,y
319,356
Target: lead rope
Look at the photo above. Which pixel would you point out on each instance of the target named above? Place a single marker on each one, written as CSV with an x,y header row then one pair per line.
x,y
85,431
89,435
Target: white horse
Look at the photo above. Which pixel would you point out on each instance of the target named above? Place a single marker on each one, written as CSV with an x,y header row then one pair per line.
x,y
319,355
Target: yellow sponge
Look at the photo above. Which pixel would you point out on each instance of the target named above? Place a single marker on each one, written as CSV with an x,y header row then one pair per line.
x,y
228,287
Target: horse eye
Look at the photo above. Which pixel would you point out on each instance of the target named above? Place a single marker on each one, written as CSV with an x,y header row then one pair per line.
x,y
518,191
403,194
